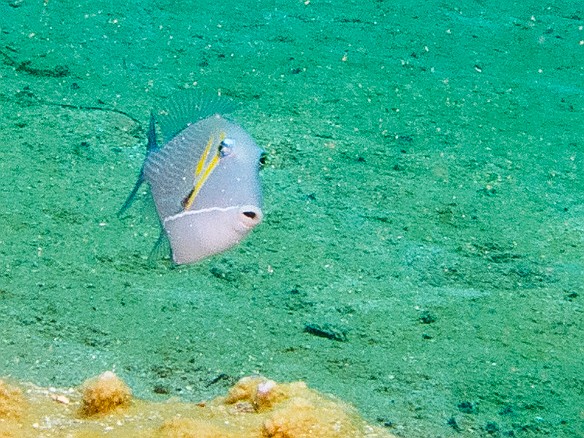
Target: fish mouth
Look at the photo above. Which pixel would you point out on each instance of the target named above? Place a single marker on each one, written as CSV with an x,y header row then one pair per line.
x,y
250,216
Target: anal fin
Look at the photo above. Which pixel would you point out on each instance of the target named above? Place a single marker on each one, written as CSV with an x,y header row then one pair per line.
x,y
161,248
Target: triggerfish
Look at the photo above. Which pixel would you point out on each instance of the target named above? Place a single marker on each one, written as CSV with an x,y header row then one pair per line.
x,y
204,178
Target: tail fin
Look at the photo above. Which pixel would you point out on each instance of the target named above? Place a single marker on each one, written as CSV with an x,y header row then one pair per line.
x,y
151,146
132,195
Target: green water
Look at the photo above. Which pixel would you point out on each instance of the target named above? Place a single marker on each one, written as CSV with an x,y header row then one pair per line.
x,y
423,201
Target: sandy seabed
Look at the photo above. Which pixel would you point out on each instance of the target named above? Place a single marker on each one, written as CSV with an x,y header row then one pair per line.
x,y
421,253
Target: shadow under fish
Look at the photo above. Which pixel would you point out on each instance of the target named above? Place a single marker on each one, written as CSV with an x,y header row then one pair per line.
x,y
204,178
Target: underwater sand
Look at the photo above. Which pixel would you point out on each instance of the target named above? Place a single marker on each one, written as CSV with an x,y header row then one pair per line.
x,y
423,206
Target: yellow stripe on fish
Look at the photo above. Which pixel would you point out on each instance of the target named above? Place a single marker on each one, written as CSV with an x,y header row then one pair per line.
x,y
204,168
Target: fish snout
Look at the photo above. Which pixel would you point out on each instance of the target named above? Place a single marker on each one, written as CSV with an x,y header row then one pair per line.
x,y
249,216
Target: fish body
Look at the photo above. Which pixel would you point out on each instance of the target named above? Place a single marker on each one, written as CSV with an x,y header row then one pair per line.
x,y
204,179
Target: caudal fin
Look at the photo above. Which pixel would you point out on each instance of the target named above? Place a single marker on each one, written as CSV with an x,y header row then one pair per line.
x,y
132,195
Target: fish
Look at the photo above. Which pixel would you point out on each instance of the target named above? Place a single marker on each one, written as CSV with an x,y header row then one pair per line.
x,y
203,177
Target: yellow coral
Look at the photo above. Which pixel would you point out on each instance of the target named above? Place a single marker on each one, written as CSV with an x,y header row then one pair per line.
x,y
254,394
12,408
104,393
11,401
255,407
190,428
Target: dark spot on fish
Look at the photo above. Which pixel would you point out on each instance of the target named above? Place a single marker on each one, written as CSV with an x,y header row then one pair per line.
x,y
296,71
185,200
250,214
75,86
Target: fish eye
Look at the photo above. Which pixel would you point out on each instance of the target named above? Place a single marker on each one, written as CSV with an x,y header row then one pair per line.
x,y
225,147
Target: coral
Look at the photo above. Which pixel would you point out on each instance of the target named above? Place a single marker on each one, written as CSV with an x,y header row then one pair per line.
x,y
302,419
190,428
254,394
11,401
12,408
255,407
103,394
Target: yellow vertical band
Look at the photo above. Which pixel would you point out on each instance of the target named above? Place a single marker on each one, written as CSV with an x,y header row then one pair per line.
x,y
204,168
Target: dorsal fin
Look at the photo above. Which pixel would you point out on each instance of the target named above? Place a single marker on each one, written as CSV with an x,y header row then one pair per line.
x,y
188,107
